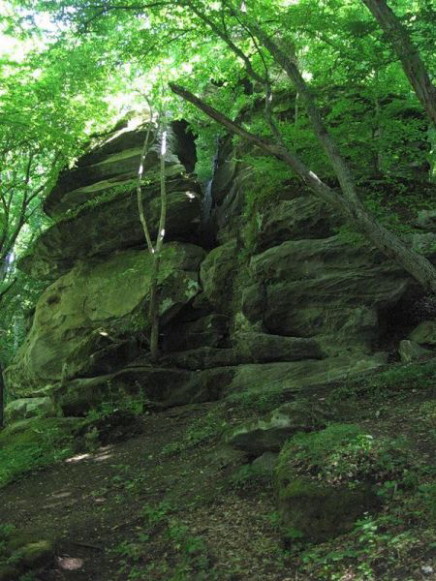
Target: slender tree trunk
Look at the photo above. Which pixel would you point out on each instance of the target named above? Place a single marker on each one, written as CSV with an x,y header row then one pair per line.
x,y
408,53
155,250
2,398
349,206
154,290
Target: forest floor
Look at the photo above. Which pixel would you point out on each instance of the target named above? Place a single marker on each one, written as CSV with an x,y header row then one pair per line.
x,y
175,504
131,510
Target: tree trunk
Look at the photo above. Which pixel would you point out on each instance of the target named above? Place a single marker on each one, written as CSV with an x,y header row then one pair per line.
x,y
154,291
156,249
408,53
2,398
352,209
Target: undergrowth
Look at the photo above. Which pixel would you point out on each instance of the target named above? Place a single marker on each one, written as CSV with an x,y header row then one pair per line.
x,y
37,445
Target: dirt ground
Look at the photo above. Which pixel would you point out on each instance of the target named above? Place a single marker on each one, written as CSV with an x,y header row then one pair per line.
x,y
127,508
175,504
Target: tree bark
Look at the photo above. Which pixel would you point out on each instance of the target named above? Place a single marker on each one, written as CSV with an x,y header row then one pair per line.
x,y
350,207
2,398
408,53
154,289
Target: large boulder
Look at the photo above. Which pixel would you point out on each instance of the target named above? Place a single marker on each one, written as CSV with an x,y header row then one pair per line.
x,y
270,433
90,319
30,407
327,479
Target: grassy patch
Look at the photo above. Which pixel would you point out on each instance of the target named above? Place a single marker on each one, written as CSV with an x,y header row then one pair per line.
x,y
33,444
204,429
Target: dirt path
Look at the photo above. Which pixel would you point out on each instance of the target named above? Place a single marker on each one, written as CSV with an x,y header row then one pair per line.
x,y
94,506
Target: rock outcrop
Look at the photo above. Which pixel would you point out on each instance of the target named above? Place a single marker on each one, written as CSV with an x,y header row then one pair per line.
x,y
283,303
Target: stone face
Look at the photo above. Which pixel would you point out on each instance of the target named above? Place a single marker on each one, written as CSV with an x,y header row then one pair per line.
x,y
270,433
217,273
324,287
24,408
296,377
303,217
100,307
425,333
265,348
116,159
109,227
249,348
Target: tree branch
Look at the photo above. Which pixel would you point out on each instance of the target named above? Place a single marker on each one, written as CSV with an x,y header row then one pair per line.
x,y
408,54
387,242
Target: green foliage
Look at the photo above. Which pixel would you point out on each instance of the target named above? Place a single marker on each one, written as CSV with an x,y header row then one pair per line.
x,y
134,405
256,402
343,454
248,477
374,540
186,555
33,445
202,430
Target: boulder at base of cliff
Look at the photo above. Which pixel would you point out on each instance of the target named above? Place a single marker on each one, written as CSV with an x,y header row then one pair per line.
x,y
326,480
30,407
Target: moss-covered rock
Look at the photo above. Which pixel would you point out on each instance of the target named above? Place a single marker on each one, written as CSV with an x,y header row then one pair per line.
x,y
296,376
217,273
315,512
264,348
116,156
89,320
270,433
23,552
410,351
302,217
425,333
34,443
325,480
324,288
110,226
23,408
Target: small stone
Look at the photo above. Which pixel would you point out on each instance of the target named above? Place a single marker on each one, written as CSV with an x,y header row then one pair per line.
x,y
410,351
427,569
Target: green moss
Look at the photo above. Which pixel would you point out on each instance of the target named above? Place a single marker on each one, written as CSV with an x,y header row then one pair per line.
x,y
328,479
33,444
343,454
318,511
